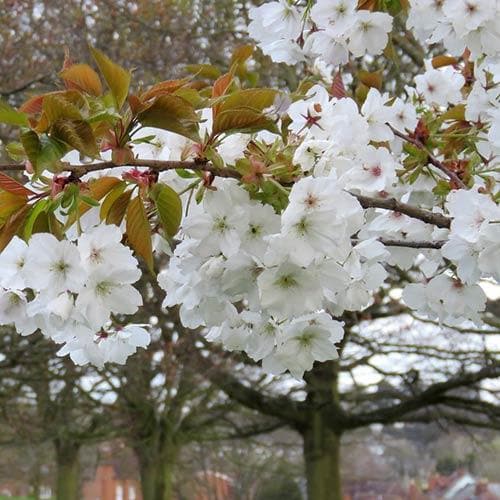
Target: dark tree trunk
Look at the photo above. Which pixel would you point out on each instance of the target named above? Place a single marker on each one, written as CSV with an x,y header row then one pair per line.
x,y
166,470
320,434
322,461
68,470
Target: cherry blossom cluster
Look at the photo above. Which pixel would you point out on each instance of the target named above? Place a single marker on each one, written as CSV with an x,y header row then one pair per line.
x,y
262,283
271,284
459,24
332,29
70,290
335,29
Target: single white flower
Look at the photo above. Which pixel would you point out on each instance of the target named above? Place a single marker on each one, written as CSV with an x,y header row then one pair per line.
x,y
53,265
108,291
12,260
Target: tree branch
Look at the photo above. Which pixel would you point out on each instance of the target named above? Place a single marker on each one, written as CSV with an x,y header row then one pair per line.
x,y
431,396
430,157
160,166
23,87
427,216
280,407
409,244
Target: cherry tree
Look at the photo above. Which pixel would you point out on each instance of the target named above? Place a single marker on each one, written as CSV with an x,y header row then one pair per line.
x,y
283,213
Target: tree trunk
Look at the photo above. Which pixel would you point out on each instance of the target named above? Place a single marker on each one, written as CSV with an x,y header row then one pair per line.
x,y
165,479
148,470
321,435
322,461
68,477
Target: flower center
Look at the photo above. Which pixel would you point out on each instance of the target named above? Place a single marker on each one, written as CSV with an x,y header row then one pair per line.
x,y
103,288
306,338
286,281
302,226
61,267
311,200
254,230
220,224
96,255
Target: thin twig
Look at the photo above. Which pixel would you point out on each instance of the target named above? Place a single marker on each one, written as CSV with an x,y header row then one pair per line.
x,y
413,244
408,244
394,205
430,157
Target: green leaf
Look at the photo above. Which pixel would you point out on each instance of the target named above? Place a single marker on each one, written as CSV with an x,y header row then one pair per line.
x,y
169,206
51,152
36,211
15,151
185,174
442,188
139,232
42,153
173,113
12,116
117,78
32,146
89,201
78,134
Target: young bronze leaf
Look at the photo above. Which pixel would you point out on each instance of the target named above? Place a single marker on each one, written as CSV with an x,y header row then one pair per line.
x,y
33,105
32,146
12,225
117,78
118,209
77,134
82,77
173,113
163,88
242,111
55,107
443,60
12,116
373,79
456,113
240,120
203,71
221,85
139,232
10,203
169,208
241,54
97,189
12,186
111,198
219,89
